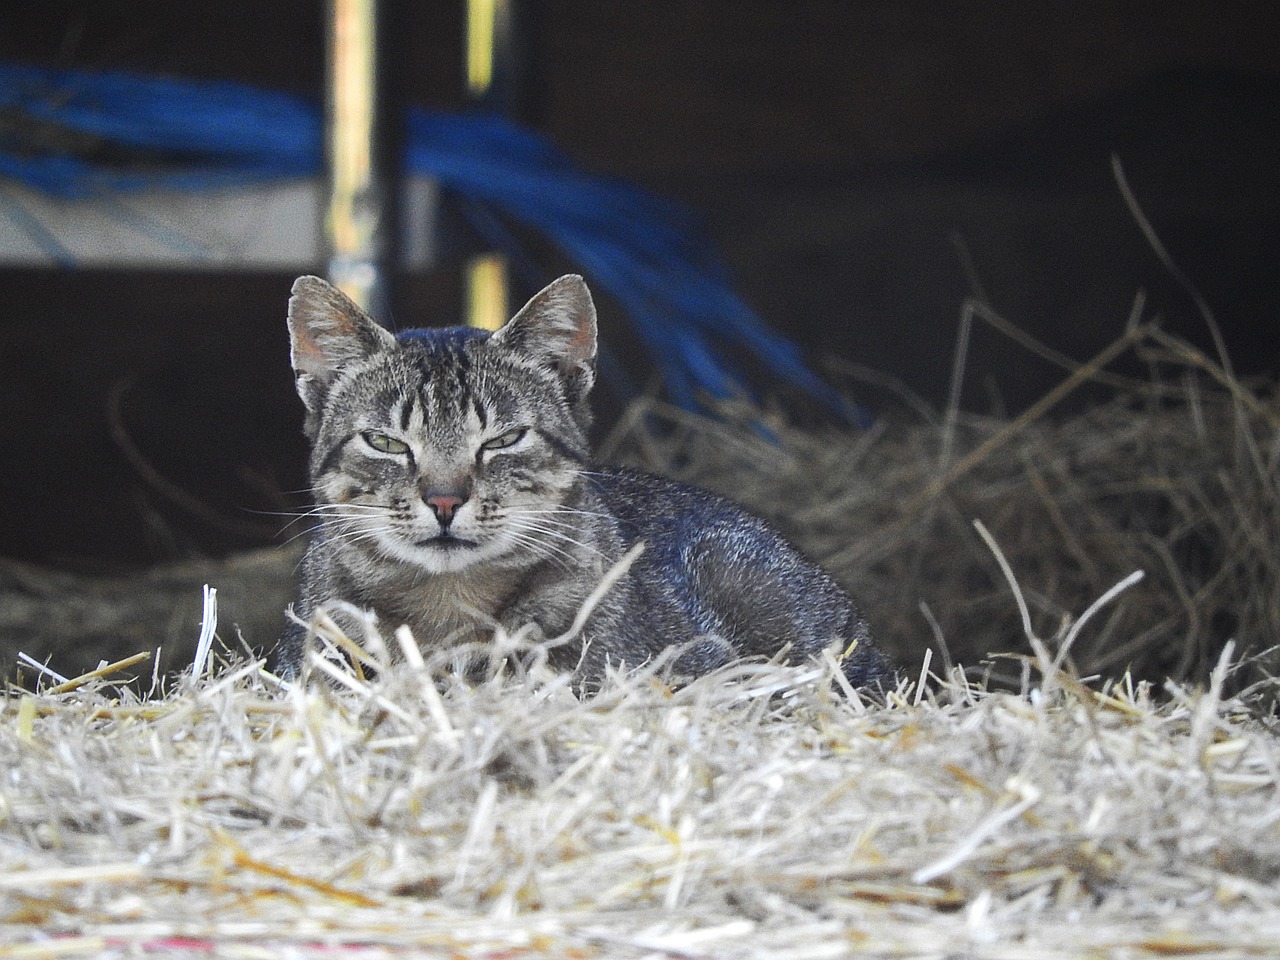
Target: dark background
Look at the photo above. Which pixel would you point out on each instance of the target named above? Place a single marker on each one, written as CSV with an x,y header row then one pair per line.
x,y
840,154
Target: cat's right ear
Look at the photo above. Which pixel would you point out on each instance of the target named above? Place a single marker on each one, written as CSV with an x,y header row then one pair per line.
x,y
327,330
558,327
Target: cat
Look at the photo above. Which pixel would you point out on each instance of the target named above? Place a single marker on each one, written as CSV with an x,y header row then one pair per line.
x,y
455,491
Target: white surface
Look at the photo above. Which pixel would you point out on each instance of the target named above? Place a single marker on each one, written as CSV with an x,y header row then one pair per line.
x,y
260,226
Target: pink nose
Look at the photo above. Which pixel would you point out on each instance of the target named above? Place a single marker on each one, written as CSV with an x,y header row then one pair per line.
x,y
443,505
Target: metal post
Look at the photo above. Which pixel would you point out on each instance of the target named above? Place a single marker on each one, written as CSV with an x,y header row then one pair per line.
x,y
494,68
360,211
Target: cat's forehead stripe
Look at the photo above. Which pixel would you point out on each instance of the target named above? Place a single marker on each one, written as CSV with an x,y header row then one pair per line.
x,y
465,400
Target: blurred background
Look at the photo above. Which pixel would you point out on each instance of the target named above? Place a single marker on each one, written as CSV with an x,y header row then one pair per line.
x,y
860,168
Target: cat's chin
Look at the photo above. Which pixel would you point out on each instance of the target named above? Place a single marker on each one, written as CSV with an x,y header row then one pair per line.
x,y
439,554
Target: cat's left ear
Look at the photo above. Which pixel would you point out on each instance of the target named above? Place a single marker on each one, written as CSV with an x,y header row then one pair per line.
x,y
558,327
327,331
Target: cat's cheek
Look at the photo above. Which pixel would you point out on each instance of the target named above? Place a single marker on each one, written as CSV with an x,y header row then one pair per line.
x,y
341,490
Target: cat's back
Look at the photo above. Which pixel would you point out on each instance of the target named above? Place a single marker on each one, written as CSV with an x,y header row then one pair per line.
x,y
681,524
653,507
733,575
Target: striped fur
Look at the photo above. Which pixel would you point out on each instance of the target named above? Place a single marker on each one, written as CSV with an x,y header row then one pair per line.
x,y
455,491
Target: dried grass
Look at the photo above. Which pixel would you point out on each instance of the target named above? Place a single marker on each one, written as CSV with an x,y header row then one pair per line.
x,y
1175,475
752,814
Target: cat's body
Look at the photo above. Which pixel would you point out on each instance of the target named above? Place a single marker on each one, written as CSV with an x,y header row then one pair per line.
x,y
455,491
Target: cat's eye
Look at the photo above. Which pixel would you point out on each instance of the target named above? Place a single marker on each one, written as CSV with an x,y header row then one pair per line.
x,y
508,439
384,444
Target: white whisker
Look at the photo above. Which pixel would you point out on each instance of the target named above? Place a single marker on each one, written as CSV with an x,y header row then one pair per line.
x,y
535,532
570,512
535,527
543,550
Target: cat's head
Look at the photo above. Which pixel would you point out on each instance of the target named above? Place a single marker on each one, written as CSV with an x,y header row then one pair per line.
x,y
449,447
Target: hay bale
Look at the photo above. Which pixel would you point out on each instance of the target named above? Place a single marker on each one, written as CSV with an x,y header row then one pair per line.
x,y
74,620
1175,476
754,814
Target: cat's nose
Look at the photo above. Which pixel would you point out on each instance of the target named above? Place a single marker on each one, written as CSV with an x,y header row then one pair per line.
x,y
444,505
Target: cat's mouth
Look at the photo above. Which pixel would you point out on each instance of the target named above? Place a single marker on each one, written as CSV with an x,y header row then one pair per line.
x,y
446,541
442,553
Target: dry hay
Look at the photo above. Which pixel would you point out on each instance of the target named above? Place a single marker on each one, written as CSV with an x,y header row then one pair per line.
x,y
75,620
1175,475
754,814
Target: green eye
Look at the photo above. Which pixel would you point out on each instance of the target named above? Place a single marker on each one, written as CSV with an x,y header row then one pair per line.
x,y
384,444
510,438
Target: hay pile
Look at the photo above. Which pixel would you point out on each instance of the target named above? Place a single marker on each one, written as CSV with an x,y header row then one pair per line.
x,y
750,815
75,620
1176,475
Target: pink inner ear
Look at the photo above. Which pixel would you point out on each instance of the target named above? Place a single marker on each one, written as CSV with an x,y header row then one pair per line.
x,y
307,355
580,344
325,327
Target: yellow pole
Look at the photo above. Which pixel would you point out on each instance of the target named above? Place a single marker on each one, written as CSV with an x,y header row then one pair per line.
x,y
486,274
358,218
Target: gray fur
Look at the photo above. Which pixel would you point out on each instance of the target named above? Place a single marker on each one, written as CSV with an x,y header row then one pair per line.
x,y
454,491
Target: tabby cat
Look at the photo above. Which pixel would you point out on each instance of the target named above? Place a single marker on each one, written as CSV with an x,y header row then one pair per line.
x,y
455,491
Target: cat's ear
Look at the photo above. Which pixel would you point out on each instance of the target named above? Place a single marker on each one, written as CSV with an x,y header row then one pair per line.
x,y
558,327
327,331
